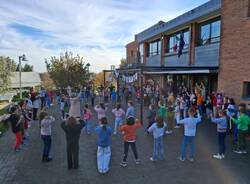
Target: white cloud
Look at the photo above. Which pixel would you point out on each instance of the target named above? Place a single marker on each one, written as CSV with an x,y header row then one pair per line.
x,y
97,30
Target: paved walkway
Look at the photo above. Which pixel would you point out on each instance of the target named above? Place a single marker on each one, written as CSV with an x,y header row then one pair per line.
x,y
26,167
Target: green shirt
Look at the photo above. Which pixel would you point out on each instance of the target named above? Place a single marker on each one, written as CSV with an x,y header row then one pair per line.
x,y
242,122
162,112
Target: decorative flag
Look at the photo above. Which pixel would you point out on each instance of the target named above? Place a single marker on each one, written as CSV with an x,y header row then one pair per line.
x,y
175,47
181,45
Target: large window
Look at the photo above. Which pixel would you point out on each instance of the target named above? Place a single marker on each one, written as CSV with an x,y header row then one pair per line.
x,y
210,32
248,8
155,48
246,90
141,52
174,40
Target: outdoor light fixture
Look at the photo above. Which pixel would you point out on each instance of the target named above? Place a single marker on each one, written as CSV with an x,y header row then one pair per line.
x,y
21,58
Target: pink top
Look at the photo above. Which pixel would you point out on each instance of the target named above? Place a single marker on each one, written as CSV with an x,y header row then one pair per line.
x,y
87,115
100,112
118,113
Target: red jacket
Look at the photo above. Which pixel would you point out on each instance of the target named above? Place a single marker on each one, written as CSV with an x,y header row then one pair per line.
x,y
214,100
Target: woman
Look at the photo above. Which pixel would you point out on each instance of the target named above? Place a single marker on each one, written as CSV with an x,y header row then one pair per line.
x,y
72,128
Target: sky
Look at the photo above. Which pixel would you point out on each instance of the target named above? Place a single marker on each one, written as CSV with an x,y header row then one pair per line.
x,y
97,30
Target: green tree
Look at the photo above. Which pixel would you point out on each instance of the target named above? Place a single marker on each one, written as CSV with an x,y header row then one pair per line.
x,y
6,66
67,70
26,68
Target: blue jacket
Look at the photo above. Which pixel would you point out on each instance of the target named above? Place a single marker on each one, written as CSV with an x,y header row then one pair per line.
x,y
103,135
130,112
221,123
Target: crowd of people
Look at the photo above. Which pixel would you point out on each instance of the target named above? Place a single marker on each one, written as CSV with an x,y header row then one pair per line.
x,y
165,113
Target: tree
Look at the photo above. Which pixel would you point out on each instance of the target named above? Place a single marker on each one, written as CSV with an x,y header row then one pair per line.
x,y
122,62
47,82
67,70
6,66
26,68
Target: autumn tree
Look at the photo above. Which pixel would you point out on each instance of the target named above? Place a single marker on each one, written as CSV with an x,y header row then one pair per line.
x,y
67,70
47,82
122,62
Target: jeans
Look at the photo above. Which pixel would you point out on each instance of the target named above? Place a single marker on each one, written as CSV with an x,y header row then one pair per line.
x,y
235,134
187,140
200,109
126,148
242,143
47,145
118,122
158,148
88,126
221,142
103,158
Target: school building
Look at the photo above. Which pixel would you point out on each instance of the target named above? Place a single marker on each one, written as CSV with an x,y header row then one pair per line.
x,y
208,44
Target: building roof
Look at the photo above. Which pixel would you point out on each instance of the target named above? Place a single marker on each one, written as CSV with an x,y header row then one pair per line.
x,y
192,15
28,79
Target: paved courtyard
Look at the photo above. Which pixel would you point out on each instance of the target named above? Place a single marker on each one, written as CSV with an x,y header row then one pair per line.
x,y
26,167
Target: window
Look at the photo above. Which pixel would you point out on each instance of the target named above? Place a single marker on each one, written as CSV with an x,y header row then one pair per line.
x,y
174,39
246,90
155,48
248,8
210,32
131,53
141,52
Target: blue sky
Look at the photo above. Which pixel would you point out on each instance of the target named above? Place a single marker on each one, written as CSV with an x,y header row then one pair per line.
x,y
98,30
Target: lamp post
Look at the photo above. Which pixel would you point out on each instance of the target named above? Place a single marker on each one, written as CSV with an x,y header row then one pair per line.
x,y
21,58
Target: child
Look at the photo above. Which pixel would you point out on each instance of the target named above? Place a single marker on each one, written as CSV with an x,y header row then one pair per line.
x,y
177,115
151,116
158,129
222,132
131,110
15,121
45,123
189,133
163,113
129,137
119,113
62,106
87,115
103,151
232,112
72,128
101,111
242,122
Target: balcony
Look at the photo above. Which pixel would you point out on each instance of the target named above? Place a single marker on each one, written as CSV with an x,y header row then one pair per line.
x,y
207,55
171,59
153,60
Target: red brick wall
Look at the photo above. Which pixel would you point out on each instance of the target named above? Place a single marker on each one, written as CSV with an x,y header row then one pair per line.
x,y
131,47
235,48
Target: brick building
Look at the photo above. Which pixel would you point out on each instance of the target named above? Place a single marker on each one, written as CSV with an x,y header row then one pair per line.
x,y
234,75
216,39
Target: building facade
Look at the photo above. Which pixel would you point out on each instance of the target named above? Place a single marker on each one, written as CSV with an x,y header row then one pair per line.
x,y
196,48
234,75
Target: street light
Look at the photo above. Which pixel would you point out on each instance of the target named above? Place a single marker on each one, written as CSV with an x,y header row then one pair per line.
x,y
21,58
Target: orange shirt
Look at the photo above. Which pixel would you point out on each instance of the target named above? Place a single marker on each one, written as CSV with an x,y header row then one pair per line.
x,y
199,100
130,131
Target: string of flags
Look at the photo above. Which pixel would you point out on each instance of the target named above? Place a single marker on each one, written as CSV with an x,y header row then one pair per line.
x,y
127,78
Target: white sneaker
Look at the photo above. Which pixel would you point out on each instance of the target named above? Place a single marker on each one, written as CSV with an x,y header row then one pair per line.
x,y
217,156
222,155
152,159
177,126
169,132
